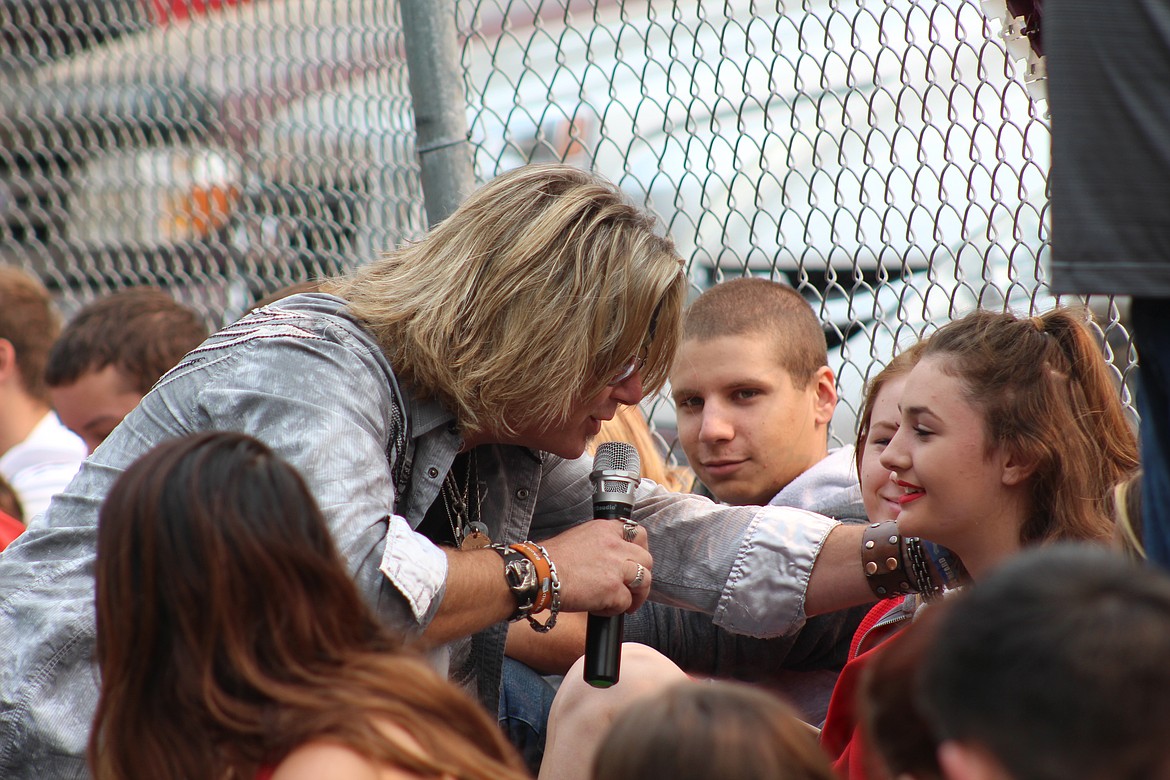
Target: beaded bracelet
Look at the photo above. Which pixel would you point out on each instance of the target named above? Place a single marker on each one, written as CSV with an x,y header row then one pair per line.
x,y
943,568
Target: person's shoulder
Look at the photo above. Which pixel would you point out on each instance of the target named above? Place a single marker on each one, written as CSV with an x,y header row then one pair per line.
x,y
322,760
49,442
828,487
302,333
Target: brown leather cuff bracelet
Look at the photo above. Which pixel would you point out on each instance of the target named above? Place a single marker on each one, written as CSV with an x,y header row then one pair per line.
x,y
882,561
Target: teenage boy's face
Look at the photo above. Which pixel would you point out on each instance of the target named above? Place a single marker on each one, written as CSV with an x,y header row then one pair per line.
x,y
746,428
93,406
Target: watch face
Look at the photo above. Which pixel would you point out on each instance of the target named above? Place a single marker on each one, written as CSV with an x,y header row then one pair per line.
x,y
521,574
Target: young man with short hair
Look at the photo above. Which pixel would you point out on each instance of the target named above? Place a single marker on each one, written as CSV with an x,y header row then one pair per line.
x,y
755,396
112,352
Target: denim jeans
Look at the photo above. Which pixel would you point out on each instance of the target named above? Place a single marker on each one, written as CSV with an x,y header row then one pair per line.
x,y
525,699
1151,332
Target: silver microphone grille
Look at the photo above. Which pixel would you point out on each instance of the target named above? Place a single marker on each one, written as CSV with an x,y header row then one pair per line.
x,y
617,456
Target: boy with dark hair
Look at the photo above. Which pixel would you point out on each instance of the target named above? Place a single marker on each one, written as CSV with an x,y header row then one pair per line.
x,y
1053,667
112,352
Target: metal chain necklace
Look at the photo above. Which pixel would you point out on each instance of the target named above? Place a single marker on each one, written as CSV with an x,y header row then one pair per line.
x,y
469,534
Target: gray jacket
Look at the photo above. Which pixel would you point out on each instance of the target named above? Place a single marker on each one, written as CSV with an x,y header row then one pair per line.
x,y
313,384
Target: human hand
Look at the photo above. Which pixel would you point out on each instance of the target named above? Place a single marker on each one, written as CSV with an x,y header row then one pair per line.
x,y
598,567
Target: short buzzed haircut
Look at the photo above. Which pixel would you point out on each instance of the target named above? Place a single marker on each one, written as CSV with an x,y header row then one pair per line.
x,y
751,306
142,331
29,321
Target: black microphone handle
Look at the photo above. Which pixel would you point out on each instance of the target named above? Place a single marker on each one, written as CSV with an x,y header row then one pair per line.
x,y
603,649
604,633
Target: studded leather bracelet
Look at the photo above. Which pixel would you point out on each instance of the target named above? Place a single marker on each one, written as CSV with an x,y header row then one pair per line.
x,y
883,562
895,564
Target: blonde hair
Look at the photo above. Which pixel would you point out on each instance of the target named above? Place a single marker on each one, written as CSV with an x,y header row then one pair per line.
x,y
629,425
528,298
1127,515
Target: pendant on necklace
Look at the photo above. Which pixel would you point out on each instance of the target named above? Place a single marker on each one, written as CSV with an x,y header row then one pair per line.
x,y
475,537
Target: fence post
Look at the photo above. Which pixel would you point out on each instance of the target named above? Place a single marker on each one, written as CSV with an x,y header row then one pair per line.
x,y
440,110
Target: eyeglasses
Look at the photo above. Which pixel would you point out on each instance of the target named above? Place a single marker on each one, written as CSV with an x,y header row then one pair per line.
x,y
631,367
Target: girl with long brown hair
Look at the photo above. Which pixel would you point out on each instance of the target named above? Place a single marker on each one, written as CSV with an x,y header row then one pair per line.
x,y
232,643
1007,432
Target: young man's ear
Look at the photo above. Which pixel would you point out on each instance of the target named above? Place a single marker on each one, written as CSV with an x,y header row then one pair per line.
x,y
825,396
962,761
8,368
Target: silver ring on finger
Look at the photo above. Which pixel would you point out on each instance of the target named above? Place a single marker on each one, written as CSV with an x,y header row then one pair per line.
x,y
639,578
630,531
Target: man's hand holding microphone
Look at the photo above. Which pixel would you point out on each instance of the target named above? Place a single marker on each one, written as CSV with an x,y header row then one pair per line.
x,y
589,552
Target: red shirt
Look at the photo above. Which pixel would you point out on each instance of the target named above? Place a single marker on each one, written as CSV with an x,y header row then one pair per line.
x,y
842,736
10,528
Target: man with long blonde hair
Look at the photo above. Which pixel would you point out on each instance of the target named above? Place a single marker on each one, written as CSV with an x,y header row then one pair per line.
x,y
438,402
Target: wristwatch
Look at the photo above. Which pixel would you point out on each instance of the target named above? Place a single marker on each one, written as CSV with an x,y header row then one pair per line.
x,y
523,581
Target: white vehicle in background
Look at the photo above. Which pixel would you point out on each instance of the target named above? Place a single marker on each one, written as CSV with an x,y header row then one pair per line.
x,y
831,145
128,162
784,143
781,142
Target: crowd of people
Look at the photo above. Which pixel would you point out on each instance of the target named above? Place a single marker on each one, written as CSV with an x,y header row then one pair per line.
x,y
352,535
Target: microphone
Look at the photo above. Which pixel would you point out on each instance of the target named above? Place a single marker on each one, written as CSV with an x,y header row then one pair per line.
x,y
616,472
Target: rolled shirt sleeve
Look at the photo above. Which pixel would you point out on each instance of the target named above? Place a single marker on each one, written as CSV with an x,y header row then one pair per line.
x,y
765,590
416,567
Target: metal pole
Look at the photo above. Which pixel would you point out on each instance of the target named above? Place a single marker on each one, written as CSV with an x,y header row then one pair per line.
x,y
440,111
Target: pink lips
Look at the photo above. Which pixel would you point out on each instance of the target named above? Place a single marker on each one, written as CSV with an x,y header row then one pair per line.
x,y
720,468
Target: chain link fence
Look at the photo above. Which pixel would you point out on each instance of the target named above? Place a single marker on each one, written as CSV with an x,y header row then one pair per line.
x,y
882,156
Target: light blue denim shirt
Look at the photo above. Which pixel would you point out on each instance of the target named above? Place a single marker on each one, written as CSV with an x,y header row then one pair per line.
x,y
313,384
